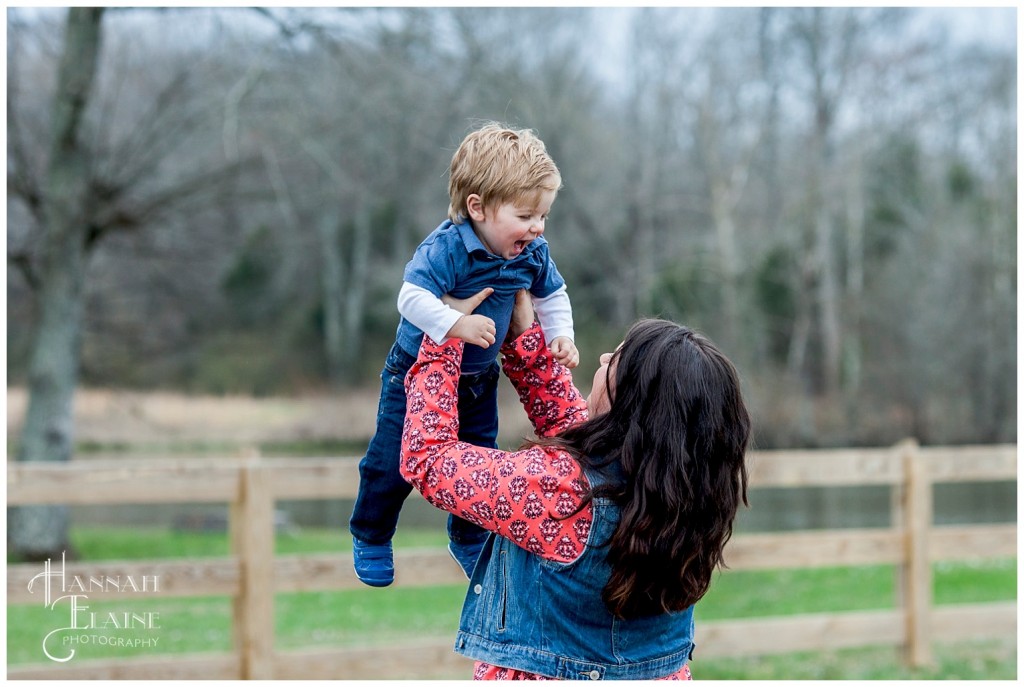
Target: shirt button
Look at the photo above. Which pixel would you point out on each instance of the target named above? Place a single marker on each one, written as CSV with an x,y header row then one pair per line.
x,y
478,589
595,675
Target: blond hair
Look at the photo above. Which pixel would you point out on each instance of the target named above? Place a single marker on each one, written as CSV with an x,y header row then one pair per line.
x,y
501,165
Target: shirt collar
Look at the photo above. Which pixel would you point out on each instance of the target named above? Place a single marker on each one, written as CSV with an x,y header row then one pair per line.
x,y
474,244
470,239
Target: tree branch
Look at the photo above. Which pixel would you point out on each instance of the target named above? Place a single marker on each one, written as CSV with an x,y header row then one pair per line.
x,y
24,182
125,216
23,262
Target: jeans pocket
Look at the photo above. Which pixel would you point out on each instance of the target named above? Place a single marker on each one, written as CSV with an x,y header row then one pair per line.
x,y
475,386
397,363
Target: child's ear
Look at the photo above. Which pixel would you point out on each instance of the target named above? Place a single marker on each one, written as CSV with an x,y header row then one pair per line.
x,y
475,207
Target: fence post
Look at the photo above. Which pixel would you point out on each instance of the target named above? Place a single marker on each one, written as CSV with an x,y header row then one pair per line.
x,y
898,522
252,542
917,577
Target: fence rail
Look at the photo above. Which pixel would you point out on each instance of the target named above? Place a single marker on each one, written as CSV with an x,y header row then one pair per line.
x,y
252,574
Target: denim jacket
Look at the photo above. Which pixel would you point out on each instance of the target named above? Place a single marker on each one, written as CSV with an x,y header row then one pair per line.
x,y
525,612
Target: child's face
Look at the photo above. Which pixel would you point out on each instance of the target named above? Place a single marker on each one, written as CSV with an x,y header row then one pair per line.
x,y
506,229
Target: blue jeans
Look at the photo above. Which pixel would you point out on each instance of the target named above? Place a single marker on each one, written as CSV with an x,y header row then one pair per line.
x,y
382,491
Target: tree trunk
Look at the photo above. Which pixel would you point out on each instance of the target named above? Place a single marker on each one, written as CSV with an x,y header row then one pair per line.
x,y
797,355
999,330
828,287
344,287
355,294
38,532
722,204
332,289
817,37
852,347
828,298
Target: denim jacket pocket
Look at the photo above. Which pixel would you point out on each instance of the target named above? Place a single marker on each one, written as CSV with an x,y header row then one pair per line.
x,y
502,591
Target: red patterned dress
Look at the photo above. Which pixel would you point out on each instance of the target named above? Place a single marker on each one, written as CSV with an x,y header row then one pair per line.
x,y
527,496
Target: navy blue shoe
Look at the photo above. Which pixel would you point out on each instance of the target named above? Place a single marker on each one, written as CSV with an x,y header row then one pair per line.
x,y
374,563
466,555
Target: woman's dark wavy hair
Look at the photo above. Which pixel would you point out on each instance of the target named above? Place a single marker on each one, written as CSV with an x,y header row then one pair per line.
x,y
679,429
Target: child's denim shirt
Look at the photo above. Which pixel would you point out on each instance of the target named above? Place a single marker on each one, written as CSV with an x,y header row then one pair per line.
x,y
541,616
453,260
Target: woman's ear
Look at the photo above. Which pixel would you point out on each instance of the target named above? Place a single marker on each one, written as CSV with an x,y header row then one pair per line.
x,y
475,207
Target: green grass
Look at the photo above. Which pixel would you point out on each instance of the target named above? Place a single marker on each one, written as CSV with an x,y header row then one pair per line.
x,y
124,543
982,660
185,625
822,590
367,616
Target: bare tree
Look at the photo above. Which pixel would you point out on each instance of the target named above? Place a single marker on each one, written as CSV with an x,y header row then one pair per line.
x,y
346,180
733,115
830,46
97,181
820,189
41,531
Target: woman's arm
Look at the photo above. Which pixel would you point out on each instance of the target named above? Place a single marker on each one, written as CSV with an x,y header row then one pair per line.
x,y
544,385
528,496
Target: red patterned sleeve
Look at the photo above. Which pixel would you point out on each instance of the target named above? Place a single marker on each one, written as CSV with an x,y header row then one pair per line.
x,y
527,496
544,385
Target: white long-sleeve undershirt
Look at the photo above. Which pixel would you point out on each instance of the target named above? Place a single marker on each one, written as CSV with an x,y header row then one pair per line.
x,y
429,313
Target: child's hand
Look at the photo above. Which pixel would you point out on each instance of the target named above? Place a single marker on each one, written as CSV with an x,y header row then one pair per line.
x,y
474,329
565,351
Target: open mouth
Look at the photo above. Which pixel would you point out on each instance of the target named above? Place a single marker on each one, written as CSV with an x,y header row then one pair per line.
x,y
519,246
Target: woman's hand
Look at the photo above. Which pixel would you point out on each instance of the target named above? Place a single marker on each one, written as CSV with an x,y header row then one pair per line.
x,y
522,315
474,329
466,306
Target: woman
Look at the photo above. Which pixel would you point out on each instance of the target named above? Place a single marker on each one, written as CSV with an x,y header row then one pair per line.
x,y
611,524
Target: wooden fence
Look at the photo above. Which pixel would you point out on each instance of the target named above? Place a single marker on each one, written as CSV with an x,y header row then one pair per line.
x,y
252,574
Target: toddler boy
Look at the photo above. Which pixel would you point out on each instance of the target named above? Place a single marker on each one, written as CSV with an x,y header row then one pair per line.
x,y
502,184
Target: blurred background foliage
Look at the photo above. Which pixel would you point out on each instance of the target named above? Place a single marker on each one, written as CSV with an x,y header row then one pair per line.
x,y
830,194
